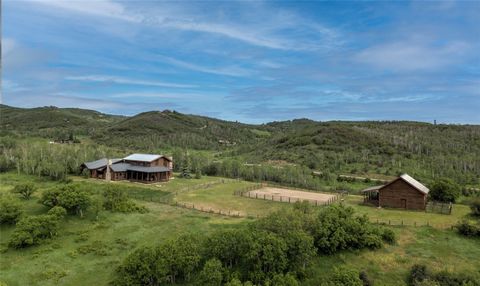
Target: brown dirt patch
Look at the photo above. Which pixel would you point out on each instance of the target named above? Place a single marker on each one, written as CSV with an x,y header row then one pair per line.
x,y
289,195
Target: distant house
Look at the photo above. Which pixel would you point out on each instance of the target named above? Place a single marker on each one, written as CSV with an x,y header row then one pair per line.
x,y
145,168
404,192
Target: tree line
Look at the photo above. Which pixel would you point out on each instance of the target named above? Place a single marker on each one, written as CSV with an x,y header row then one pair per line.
x,y
275,250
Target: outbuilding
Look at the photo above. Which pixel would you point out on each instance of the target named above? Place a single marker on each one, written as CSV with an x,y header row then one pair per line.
x,y
403,192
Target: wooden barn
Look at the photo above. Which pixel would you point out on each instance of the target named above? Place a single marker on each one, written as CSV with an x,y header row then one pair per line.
x,y
145,168
404,192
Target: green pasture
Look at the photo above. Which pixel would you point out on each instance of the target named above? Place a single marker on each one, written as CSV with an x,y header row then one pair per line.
x,y
87,251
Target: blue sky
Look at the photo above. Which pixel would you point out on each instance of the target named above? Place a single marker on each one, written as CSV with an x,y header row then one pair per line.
x,y
251,61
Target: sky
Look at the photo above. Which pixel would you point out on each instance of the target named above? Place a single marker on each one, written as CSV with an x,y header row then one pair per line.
x,y
247,61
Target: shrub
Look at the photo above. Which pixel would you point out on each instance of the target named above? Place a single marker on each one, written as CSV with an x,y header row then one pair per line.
x,y
466,228
33,230
116,200
475,207
418,273
445,278
25,190
343,276
365,279
444,190
10,210
71,198
173,260
336,228
388,236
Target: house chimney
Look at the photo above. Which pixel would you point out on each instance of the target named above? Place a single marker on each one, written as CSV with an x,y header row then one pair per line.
x,y
108,176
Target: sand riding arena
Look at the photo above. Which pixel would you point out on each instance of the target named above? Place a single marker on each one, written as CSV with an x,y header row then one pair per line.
x,y
291,196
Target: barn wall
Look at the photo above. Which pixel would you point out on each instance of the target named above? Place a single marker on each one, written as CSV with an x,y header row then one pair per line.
x,y
392,195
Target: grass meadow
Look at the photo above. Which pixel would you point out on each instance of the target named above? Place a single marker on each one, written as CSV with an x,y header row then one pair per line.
x,y
87,251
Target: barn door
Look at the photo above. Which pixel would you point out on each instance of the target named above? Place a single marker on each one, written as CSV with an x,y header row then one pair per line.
x,y
404,203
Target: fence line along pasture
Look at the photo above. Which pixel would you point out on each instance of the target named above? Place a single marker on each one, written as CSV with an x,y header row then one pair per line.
x,y
412,224
246,192
438,207
210,210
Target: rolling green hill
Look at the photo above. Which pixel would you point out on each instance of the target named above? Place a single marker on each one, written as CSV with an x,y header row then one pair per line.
x,y
154,129
424,150
50,121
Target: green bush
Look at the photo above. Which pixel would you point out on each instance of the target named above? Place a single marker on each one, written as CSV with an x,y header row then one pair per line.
x,y
10,210
388,236
444,190
420,276
116,200
32,230
337,228
343,276
274,250
174,260
418,273
468,229
25,190
366,281
70,197
475,207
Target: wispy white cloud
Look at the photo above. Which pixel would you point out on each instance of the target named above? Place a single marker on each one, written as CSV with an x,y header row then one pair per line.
x,y
100,8
229,70
122,80
411,56
176,95
262,33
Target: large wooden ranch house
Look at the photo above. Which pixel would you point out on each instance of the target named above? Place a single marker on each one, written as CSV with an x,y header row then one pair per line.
x,y
145,168
404,192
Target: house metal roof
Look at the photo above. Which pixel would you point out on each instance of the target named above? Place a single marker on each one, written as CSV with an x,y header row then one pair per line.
x,y
98,164
120,167
143,157
123,167
155,169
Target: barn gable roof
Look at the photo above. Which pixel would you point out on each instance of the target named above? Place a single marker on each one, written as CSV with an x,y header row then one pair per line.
x,y
412,182
372,189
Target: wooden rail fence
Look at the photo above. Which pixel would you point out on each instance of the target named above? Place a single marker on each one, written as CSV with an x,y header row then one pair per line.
x,y
438,207
246,192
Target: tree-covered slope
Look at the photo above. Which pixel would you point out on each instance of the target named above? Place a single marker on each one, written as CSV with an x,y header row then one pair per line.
x,y
423,149
390,147
50,121
156,129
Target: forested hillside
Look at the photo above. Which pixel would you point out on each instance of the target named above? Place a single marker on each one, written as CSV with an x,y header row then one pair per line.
x,y
51,121
423,150
154,129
